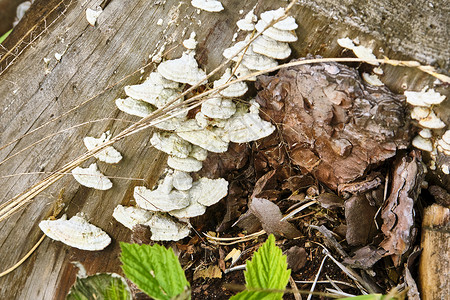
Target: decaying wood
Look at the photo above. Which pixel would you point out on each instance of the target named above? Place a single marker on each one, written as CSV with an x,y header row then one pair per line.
x,y
434,266
97,62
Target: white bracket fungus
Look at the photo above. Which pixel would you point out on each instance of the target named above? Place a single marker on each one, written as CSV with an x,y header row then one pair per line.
x,y
251,60
431,121
280,35
286,24
92,15
422,143
248,127
271,48
194,209
420,112
188,164
204,121
182,181
360,51
171,144
234,90
131,216
372,79
424,98
198,153
165,229
134,107
190,43
109,154
248,22
443,144
208,5
184,69
207,138
425,133
161,199
76,232
91,177
218,108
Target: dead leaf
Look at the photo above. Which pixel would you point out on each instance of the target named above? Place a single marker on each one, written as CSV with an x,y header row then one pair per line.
x,y
365,257
330,201
334,126
296,258
398,211
269,215
359,216
209,272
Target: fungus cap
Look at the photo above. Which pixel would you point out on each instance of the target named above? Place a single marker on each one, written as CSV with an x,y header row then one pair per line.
x,y
425,133
207,138
218,108
171,144
372,79
234,90
431,121
419,112
271,48
131,216
208,5
424,98
76,232
134,107
194,209
248,22
198,153
160,200
188,164
164,228
286,24
92,178
422,144
109,154
184,70
182,181
287,36
93,14
209,191
190,43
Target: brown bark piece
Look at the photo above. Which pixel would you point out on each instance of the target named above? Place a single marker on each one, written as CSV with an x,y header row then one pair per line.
x,y
335,126
359,215
398,211
434,265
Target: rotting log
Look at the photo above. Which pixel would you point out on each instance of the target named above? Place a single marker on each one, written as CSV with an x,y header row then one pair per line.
x,y
98,62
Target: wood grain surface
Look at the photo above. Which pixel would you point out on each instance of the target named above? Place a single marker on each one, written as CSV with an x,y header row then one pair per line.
x,y
97,62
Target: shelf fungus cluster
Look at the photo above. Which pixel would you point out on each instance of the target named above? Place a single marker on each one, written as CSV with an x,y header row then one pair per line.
x,y
428,139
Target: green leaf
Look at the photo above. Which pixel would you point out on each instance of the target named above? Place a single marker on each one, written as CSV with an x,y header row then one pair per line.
x,y
4,36
154,269
100,286
267,270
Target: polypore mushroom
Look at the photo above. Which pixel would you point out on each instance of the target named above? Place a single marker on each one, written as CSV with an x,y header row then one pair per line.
x,y
198,153
422,143
372,79
165,229
360,51
275,33
271,48
134,107
91,177
76,232
190,43
131,216
188,164
184,69
218,108
431,121
109,154
171,144
234,90
286,24
92,15
207,138
208,5
182,181
419,112
248,22
424,98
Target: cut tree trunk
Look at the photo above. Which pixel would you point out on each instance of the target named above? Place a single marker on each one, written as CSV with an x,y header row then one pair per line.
x,y
97,62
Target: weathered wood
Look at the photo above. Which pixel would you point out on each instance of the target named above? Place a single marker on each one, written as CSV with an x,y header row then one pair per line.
x,y
94,59
435,258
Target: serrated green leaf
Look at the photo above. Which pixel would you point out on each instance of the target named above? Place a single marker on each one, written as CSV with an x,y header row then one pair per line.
x,y
4,36
267,269
154,269
99,287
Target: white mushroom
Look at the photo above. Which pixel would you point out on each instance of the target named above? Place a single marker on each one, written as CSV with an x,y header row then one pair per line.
x,y
204,121
372,79
432,122
182,181
134,107
131,216
92,15
76,232
234,90
208,5
424,97
194,209
419,112
198,153
188,164
248,127
91,177
423,144
218,108
207,138
248,22
171,144
109,154
446,137
346,43
425,133
159,199
169,124
184,69
360,51
255,61
152,93
286,24
242,71
209,191
276,34
165,229
190,43
271,48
